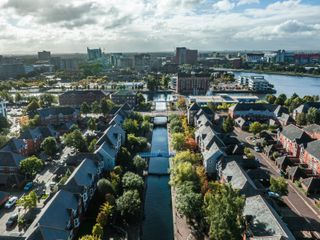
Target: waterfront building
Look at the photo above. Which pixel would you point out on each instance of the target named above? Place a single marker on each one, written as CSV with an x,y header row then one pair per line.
x,y
125,96
222,98
186,56
194,83
76,98
44,56
255,83
94,54
254,57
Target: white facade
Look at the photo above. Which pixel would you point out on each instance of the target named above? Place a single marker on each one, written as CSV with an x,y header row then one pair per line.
x,y
3,109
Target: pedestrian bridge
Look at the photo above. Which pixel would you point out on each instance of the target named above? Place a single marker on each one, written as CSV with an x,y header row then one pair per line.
x,y
156,154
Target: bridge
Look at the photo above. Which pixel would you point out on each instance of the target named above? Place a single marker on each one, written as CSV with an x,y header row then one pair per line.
x,y
158,174
156,154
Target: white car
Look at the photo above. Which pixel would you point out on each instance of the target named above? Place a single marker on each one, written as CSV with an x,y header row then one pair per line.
x,y
11,202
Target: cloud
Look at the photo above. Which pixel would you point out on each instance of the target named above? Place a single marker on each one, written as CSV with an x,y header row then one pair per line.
x,y
294,26
245,2
223,5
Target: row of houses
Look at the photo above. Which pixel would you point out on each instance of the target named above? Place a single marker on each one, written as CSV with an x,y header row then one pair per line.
x,y
62,215
221,161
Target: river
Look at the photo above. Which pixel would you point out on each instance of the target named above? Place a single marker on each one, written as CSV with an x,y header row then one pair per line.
x,y
290,84
158,223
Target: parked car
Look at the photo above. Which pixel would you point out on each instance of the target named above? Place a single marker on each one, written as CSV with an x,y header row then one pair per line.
x,y
28,186
13,219
11,202
273,195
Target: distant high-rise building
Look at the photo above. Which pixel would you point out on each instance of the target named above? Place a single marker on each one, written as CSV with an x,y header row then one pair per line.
x,y
192,84
142,62
44,55
94,54
186,56
69,64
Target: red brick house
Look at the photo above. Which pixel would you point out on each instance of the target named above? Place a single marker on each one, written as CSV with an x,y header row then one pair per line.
x,y
292,139
311,156
313,131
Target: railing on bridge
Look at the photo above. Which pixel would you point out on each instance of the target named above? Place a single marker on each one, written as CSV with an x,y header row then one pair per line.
x,y
156,154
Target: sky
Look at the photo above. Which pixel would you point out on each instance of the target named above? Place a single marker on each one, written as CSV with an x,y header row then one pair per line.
x,y
69,26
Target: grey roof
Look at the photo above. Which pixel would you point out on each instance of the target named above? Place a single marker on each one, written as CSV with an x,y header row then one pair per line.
x,y
312,128
14,145
202,120
279,110
51,223
294,133
306,106
214,152
285,118
117,119
208,136
31,133
266,223
238,178
79,93
10,159
111,135
254,106
311,183
313,148
45,112
282,160
241,122
194,107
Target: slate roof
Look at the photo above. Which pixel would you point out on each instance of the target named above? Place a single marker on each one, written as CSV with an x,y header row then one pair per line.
x,y
294,133
79,93
31,133
280,110
312,184
313,148
312,128
253,106
306,106
208,136
285,118
238,178
45,112
110,135
10,159
14,145
194,107
202,120
214,152
266,223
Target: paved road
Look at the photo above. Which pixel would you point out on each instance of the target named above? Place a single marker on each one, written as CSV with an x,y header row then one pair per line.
x,y
303,216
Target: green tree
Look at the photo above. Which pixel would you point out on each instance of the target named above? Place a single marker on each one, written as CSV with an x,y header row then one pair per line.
x,y
279,185
131,126
183,172
85,108
140,98
47,100
105,214
136,144
95,106
31,166
4,123
3,140
228,124
49,146
132,181
28,202
33,106
106,105
140,164
89,237
178,141
92,145
281,99
255,127
124,158
271,99
92,124
224,211
187,156
145,127
129,205
75,139
104,186
301,119
97,230
313,116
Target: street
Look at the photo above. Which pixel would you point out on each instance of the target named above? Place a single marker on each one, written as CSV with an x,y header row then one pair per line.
x,y
300,215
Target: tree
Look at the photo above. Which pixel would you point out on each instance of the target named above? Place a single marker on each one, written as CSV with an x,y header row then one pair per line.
x,y
131,126
92,145
271,99
89,237
255,127
228,124
75,139
279,185
97,230
183,172
301,119
105,213
187,156
92,124
33,106
4,123
124,158
3,140
281,99
106,105
224,211
178,141
129,205
104,186
31,166
140,164
181,103
35,121
28,201
95,106
47,99
132,181
49,146
140,98
145,127
85,108
313,116
136,144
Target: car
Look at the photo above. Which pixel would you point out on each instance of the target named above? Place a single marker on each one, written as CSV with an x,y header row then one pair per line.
x,y
273,194
13,219
257,149
28,186
11,202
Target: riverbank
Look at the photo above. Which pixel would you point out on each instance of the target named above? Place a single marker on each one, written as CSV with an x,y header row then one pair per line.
x,y
276,73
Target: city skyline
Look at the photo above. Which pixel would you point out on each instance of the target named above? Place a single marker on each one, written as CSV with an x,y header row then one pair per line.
x,y
156,26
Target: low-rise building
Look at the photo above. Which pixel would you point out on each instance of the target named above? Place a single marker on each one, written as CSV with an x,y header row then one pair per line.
x,y
303,108
255,83
311,156
58,115
313,130
9,168
260,111
76,98
125,96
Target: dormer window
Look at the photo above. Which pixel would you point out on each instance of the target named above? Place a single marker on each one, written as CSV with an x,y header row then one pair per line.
x,y
76,222
74,212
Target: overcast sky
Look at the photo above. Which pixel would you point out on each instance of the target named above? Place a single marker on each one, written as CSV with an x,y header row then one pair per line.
x,y
67,26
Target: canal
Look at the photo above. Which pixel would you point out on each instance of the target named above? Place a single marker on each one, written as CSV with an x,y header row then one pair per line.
x,y
158,224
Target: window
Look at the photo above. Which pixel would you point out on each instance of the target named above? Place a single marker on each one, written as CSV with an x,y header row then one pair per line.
x,y
76,222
